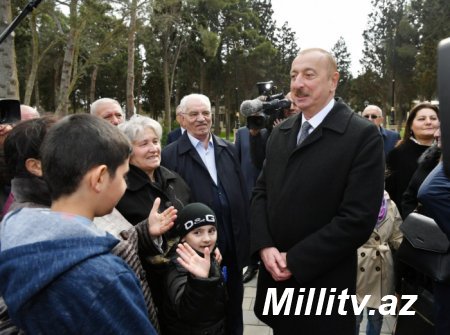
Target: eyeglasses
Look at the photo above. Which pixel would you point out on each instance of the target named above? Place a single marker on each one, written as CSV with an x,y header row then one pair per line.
x,y
371,116
194,115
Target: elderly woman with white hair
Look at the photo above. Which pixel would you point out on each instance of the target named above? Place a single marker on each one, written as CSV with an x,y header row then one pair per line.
x,y
147,180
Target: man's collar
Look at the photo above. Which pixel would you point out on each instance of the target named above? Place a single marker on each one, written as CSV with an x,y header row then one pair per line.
x,y
195,141
336,120
317,119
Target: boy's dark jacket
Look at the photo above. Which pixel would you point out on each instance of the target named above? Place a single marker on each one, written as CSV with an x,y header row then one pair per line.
x,y
193,305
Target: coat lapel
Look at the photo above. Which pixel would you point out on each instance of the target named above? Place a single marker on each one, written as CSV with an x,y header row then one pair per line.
x,y
186,147
335,121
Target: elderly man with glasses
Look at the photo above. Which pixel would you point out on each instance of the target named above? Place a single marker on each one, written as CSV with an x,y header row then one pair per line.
x,y
210,166
374,114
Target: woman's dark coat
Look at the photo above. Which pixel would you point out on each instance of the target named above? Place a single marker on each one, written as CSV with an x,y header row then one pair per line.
x,y
136,203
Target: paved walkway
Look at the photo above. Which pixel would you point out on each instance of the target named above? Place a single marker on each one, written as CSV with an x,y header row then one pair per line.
x,y
252,326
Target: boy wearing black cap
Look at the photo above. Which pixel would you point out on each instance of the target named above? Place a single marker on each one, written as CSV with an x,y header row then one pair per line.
x,y
195,291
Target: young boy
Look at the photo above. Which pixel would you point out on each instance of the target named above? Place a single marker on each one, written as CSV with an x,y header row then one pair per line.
x,y
58,273
195,291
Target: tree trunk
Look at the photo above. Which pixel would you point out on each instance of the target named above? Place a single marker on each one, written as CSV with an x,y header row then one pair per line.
x,y
130,68
9,84
56,80
168,122
216,116
34,60
67,67
37,94
93,83
139,91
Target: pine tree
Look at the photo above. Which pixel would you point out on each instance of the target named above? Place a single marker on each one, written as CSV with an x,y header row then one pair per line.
x,y
343,61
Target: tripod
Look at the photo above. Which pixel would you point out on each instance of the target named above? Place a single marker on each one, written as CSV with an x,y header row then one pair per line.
x,y
13,25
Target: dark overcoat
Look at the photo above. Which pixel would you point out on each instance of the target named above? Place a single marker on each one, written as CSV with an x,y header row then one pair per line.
x,y
249,169
318,202
182,157
174,135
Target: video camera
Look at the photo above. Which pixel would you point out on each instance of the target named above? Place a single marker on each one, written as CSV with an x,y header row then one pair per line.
x,y
264,110
9,111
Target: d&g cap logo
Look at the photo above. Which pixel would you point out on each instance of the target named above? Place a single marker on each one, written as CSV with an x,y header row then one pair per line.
x,y
208,218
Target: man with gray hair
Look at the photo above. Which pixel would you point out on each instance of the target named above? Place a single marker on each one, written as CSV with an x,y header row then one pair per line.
x,y
109,110
314,204
177,132
210,166
28,113
374,114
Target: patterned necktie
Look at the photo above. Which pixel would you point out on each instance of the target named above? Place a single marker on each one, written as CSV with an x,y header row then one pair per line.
x,y
304,132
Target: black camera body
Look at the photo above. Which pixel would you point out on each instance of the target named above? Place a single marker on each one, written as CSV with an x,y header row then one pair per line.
x,y
272,107
9,111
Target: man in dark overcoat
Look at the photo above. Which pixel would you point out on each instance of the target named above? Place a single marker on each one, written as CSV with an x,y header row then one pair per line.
x,y
374,114
211,168
315,203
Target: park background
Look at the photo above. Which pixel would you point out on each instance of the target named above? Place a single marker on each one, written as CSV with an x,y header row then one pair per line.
x,y
149,54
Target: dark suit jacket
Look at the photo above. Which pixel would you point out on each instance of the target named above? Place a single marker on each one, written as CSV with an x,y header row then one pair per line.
x,y
318,202
174,135
249,170
390,139
183,158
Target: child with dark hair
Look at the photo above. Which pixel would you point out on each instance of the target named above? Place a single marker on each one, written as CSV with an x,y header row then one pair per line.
x,y
195,291
58,273
28,189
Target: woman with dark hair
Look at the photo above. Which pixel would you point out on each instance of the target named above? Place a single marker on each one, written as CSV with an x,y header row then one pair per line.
x,y
22,145
401,162
22,155
28,189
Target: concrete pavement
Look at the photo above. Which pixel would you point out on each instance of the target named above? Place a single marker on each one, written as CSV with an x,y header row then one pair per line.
x,y
252,326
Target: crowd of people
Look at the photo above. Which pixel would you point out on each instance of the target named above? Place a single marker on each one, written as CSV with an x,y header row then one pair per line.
x,y
105,231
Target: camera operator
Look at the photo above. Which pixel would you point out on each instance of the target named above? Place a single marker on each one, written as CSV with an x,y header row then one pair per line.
x,y
287,112
264,113
251,144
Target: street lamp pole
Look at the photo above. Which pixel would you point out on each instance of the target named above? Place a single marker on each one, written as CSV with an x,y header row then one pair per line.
x,y
392,116
238,125
245,53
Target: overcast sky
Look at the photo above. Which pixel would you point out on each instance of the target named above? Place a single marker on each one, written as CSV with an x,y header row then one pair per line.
x,y
320,23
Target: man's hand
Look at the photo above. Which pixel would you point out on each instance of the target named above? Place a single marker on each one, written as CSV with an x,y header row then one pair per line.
x,y
254,132
4,131
276,122
218,256
275,263
159,223
192,262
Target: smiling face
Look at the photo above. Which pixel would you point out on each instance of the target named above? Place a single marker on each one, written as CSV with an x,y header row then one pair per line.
x,y
313,81
147,152
425,125
202,237
197,119
110,111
